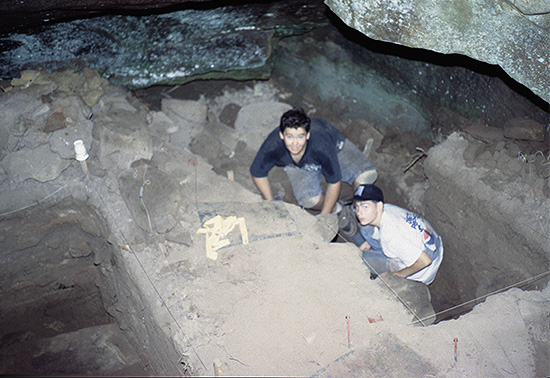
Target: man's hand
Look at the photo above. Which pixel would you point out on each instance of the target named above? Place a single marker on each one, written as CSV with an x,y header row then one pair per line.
x,y
331,196
262,183
365,246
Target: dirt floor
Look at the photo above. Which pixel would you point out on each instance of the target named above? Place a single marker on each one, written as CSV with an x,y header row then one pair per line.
x,y
279,298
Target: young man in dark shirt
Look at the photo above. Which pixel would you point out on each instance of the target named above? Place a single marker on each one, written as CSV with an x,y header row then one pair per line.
x,y
310,149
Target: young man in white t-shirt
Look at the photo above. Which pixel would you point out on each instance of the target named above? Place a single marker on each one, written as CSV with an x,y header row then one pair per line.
x,y
397,241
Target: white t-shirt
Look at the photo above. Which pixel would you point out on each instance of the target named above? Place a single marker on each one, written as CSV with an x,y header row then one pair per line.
x,y
404,236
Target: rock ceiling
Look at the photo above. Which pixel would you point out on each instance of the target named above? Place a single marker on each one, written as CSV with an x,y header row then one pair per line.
x,y
513,34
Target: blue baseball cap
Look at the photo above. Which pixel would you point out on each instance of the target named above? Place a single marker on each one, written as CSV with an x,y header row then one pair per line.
x,y
368,192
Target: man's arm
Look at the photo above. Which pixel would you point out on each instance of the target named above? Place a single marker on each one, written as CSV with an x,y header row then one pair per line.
x,y
262,183
423,261
331,196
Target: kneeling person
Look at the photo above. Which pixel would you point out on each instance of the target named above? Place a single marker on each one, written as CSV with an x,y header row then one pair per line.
x,y
396,241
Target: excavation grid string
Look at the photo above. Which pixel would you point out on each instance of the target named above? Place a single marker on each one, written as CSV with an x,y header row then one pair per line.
x,y
154,286
533,279
43,199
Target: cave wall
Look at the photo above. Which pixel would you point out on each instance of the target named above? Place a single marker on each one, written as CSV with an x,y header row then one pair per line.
x,y
16,14
393,87
493,212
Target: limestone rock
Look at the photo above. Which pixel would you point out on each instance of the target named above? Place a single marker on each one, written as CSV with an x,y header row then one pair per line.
x,y
188,116
118,150
72,107
67,81
40,164
524,129
29,77
229,114
486,160
255,121
484,133
185,110
55,122
508,33
32,138
215,140
93,79
124,121
62,141
78,248
18,103
92,97
122,136
472,152
152,196
160,127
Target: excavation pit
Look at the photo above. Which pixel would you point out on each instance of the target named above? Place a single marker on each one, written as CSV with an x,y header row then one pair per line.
x,y
124,235
68,308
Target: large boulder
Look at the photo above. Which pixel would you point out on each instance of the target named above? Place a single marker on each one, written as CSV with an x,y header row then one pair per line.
x,y
512,34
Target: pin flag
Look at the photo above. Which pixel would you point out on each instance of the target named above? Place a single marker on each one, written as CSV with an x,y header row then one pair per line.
x,y
456,348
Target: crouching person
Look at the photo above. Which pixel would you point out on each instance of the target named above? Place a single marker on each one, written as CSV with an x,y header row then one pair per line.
x,y
394,240
311,149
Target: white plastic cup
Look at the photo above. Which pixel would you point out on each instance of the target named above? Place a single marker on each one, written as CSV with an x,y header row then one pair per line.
x,y
80,150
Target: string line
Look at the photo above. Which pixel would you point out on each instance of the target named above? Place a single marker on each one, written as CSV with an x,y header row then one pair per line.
x,y
534,278
157,291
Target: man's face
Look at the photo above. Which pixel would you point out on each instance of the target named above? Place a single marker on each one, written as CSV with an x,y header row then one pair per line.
x,y
295,140
366,211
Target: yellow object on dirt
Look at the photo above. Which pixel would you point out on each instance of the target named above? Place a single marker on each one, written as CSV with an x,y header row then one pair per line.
x,y
216,229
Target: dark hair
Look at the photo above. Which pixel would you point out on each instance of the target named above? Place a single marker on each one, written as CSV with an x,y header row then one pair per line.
x,y
294,118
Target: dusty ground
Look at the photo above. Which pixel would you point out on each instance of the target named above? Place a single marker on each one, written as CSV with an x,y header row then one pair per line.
x,y
286,303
